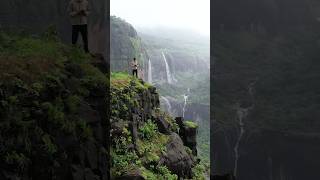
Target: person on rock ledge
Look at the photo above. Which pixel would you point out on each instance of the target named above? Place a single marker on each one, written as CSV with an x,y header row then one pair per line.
x,y
79,11
134,65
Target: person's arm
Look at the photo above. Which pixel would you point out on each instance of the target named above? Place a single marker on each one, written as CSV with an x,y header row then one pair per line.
x,y
87,10
72,12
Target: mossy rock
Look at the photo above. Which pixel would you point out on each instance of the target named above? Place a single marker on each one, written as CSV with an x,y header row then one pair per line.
x,y
190,124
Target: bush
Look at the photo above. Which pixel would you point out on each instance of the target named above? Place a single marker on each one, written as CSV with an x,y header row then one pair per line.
x,y
148,130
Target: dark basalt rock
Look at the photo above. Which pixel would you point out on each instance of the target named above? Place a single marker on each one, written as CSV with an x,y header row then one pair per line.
x,y
163,125
132,175
188,135
177,159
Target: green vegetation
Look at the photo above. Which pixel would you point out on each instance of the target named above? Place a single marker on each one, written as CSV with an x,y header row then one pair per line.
x,y
198,171
190,124
150,145
42,84
141,154
125,45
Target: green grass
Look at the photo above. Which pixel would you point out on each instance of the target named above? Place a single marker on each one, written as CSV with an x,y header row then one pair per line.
x,y
190,124
42,83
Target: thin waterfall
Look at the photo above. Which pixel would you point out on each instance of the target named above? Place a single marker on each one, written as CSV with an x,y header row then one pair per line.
x,y
185,97
242,114
169,77
168,104
149,72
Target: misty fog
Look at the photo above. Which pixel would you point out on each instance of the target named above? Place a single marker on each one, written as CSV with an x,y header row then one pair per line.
x,y
189,15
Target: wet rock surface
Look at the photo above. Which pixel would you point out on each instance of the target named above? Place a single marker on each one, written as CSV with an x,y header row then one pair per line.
x,y
176,157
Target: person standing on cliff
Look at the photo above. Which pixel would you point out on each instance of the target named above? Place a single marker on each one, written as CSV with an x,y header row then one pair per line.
x,y
134,65
79,11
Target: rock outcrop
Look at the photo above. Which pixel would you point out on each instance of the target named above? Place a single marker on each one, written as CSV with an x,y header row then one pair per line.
x,y
141,132
188,133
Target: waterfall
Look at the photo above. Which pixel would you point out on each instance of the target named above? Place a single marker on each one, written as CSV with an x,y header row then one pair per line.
x,y
242,113
168,104
149,72
169,78
185,104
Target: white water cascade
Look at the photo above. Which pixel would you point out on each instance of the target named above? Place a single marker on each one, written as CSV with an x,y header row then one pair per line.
x,y
242,113
185,97
149,72
169,77
168,104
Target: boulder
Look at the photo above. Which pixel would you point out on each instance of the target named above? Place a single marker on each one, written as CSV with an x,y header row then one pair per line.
x,y
176,158
188,133
163,125
133,175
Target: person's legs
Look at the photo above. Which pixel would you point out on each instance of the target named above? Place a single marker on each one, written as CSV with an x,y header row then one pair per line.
x,y
75,34
84,34
135,72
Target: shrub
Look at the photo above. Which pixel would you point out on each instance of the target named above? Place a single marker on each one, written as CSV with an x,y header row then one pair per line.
x,y
148,130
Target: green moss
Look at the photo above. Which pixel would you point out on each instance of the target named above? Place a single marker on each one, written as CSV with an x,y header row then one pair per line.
x,y
199,171
48,145
85,130
72,103
160,172
18,159
190,124
40,95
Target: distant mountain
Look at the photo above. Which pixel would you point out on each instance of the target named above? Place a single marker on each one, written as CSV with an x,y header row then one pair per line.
x,y
125,45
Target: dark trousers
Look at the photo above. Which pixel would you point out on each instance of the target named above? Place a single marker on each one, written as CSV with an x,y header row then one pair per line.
x,y
83,29
135,71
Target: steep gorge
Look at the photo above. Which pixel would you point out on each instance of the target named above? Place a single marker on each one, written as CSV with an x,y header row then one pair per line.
x,y
281,129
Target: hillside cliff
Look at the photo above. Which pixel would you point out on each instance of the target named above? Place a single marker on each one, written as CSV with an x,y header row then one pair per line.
x,y
53,114
54,119
147,143
125,44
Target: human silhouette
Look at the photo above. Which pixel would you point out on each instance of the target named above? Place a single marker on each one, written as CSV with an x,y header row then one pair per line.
x,y
79,11
134,65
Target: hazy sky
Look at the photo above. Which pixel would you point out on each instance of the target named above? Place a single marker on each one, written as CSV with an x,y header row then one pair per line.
x,y
188,14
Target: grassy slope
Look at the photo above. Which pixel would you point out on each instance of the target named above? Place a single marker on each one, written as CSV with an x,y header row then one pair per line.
x,y
42,82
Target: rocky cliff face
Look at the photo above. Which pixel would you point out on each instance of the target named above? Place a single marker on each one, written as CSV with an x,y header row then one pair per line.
x,y
53,115
124,46
147,143
265,106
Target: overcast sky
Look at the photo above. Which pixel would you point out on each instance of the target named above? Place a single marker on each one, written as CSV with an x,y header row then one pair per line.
x,y
182,14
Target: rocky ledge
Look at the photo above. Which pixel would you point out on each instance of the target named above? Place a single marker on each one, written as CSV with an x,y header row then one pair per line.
x,y
146,142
